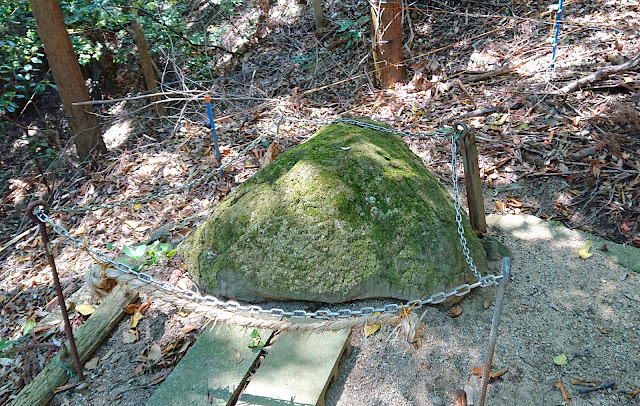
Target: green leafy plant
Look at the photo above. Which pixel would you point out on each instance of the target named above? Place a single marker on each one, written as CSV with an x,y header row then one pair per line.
x,y
4,344
352,30
255,340
151,253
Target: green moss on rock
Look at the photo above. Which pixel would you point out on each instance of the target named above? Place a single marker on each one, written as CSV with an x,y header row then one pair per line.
x,y
352,213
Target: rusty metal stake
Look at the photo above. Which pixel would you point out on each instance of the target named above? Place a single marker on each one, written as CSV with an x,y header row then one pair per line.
x,y
497,313
56,283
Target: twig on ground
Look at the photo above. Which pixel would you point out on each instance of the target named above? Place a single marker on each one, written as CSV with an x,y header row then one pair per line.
x,y
600,74
604,385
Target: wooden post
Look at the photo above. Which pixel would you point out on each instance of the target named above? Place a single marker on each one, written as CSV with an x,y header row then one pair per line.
x,y
147,65
472,182
386,35
317,15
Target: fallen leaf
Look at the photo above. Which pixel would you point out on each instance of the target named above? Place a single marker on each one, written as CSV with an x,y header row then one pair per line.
x,y
500,206
92,363
271,154
40,329
188,328
239,357
633,394
157,379
107,355
137,206
455,312
604,247
584,251
501,120
478,371
560,360
370,329
138,369
144,307
28,326
461,399
563,390
85,309
155,353
136,317
513,202
131,309
603,331
132,223
183,284
129,337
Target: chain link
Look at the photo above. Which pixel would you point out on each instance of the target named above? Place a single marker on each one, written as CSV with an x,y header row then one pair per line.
x,y
155,195
391,308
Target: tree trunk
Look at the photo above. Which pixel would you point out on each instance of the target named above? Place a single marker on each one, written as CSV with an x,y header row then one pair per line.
x,y
147,66
317,15
67,76
386,32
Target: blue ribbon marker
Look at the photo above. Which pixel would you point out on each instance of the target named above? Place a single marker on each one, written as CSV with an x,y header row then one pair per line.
x,y
207,101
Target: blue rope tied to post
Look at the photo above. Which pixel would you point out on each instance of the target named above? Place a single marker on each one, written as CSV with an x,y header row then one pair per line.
x,y
557,33
214,135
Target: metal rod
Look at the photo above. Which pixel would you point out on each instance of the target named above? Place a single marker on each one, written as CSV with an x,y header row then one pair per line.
x,y
497,312
557,33
212,125
56,283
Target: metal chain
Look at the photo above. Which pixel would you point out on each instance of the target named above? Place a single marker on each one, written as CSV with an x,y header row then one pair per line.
x,y
278,118
230,305
155,195
462,290
456,205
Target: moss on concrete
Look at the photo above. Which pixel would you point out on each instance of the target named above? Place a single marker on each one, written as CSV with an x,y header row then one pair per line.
x,y
351,213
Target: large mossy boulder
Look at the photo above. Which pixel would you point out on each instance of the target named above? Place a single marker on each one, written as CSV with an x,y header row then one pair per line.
x,y
352,213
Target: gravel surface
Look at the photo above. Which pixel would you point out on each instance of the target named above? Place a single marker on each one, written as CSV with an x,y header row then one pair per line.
x,y
556,303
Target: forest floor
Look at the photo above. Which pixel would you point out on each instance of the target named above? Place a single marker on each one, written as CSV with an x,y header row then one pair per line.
x,y
573,158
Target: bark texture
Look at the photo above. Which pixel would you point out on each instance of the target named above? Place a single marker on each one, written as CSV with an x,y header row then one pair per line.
x,y
67,76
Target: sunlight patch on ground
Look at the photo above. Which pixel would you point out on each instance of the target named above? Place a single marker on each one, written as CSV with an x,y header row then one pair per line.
x,y
117,133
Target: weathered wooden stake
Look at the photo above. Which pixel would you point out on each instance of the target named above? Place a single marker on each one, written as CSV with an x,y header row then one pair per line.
x,y
472,182
386,42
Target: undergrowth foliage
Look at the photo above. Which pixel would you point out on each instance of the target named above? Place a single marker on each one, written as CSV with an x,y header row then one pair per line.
x,y
99,32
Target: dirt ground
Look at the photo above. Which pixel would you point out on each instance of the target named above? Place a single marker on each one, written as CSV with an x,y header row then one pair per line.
x,y
572,159
556,303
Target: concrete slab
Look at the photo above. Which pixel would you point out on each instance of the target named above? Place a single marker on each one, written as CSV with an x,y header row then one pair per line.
x,y
528,227
297,370
213,370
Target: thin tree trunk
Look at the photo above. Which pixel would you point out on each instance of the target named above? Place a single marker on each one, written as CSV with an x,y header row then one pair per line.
x,y
386,32
147,65
67,76
317,15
